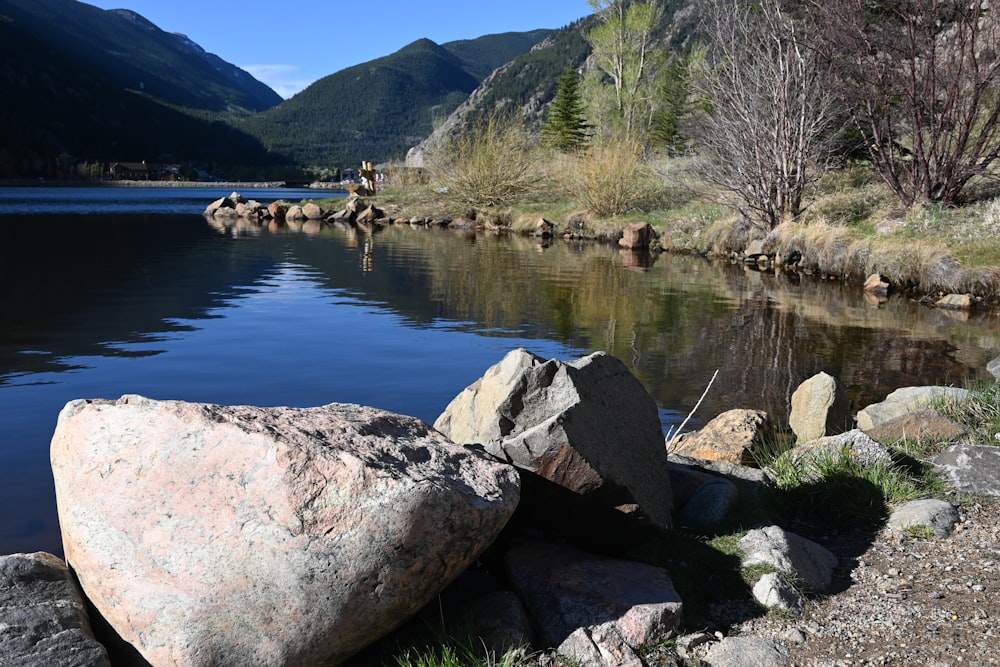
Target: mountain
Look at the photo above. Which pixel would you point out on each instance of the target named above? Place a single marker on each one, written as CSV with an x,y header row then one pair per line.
x,y
376,110
135,54
82,83
528,82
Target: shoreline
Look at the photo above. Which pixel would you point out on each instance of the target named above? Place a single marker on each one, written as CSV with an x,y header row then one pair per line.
x,y
270,185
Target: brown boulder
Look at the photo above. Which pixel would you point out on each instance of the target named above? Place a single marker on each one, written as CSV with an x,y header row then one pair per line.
x,y
734,436
819,407
637,236
277,210
312,211
926,425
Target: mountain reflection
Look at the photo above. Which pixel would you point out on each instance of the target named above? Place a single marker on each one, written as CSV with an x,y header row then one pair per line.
x,y
92,286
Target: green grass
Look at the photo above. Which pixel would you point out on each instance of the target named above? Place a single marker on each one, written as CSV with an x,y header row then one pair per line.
x,y
980,413
460,655
448,649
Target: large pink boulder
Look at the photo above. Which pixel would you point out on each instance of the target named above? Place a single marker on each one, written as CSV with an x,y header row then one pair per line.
x,y
235,535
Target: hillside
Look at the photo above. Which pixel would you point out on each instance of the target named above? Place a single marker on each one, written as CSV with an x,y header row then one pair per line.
x,y
528,82
85,84
378,109
133,53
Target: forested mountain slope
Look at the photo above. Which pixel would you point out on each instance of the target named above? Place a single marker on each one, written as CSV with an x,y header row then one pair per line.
x,y
86,84
376,110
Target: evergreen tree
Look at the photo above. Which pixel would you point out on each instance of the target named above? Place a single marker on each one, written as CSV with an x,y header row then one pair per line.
x,y
565,126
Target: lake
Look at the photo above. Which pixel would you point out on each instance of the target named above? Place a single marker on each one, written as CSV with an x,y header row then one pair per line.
x,y
132,291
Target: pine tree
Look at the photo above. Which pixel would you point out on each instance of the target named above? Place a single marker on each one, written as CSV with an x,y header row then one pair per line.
x,y
566,128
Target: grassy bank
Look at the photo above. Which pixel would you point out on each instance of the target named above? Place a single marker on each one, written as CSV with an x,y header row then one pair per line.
x,y
852,227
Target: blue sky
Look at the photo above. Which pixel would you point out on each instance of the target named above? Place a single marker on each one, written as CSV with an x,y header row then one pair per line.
x,y
289,45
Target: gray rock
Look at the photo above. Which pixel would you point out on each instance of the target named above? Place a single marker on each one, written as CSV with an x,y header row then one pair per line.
x,y
856,443
971,468
687,644
589,426
993,367
43,616
616,603
710,505
601,645
774,592
237,535
905,400
806,561
937,515
819,407
739,474
687,474
746,652
685,480
498,621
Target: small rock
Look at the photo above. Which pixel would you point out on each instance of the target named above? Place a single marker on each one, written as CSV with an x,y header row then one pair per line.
x,y
877,285
856,443
746,652
734,436
955,302
923,425
793,636
971,468
937,515
787,552
637,236
710,505
774,592
687,643
905,400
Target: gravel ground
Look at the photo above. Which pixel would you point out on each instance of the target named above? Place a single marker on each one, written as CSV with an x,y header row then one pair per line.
x,y
898,600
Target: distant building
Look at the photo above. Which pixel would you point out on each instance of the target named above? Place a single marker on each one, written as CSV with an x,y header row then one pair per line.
x,y
143,171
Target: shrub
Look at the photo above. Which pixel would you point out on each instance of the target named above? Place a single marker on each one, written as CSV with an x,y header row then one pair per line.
x,y
492,165
610,180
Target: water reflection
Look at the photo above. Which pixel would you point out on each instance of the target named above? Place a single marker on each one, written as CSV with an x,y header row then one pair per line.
x,y
403,319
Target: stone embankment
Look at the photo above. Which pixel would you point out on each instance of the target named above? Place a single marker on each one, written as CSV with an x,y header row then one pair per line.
x,y
781,251
204,534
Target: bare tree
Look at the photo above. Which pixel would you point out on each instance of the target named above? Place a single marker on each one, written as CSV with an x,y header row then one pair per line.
x,y
764,131
921,79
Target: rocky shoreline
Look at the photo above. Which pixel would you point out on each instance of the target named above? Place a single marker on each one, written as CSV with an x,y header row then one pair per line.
x,y
783,250
201,534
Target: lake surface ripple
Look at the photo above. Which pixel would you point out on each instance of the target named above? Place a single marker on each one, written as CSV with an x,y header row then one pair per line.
x,y
112,292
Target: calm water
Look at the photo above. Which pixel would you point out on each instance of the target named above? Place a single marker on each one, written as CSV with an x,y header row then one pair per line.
x,y
110,292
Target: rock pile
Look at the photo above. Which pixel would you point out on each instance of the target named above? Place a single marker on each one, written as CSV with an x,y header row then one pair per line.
x,y
204,534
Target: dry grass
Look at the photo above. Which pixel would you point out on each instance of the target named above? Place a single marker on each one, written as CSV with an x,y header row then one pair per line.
x,y
853,227
608,181
495,165
904,260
